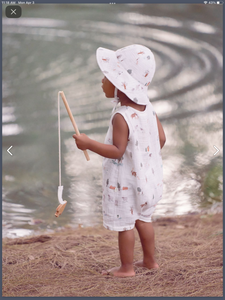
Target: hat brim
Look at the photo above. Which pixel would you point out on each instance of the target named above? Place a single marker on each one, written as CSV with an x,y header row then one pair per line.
x,y
120,78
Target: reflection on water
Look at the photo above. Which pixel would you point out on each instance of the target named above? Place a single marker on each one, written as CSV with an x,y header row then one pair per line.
x,y
52,48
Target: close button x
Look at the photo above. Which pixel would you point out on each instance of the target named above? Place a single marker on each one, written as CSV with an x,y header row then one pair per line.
x,y
13,11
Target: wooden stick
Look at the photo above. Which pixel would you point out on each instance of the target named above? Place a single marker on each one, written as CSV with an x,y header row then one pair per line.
x,y
72,119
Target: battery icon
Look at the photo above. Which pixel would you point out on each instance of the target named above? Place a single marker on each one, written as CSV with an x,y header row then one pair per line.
x,y
219,2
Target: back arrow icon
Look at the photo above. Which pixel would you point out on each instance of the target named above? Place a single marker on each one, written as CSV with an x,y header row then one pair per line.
x,y
217,150
9,151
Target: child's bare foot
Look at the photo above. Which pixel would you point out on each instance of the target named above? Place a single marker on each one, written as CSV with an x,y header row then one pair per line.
x,y
119,272
140,263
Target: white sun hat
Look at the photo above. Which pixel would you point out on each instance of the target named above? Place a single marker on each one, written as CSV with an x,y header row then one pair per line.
x,y
129,69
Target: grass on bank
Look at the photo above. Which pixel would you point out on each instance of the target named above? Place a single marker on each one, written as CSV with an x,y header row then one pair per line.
x,y
189,251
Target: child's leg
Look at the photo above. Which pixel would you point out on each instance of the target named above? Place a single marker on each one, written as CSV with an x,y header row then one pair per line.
x,y
146,233
126,249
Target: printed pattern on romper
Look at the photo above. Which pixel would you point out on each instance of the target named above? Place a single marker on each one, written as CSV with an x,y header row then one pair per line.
x,y
132,185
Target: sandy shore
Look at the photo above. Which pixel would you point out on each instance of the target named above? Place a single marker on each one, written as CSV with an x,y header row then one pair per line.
x,y
189,251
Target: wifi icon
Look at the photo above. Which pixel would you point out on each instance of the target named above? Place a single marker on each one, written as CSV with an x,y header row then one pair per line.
x,y
205,2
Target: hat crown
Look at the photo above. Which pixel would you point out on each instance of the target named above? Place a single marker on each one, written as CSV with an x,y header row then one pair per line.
x,y
138,61
129,69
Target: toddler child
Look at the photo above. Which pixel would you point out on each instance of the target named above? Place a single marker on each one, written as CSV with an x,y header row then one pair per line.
x,y
132,164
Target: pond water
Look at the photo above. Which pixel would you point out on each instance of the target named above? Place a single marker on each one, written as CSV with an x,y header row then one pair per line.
x,y
52,48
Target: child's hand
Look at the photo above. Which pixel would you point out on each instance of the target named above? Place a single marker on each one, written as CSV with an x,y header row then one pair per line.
x,y
82,141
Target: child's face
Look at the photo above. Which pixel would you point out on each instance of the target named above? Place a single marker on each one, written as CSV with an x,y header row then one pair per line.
x,y
108,88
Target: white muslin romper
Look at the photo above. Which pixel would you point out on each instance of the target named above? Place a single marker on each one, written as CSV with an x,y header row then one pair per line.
x,y
133,185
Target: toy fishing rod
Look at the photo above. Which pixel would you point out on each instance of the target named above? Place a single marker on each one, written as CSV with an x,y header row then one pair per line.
x,y
62,202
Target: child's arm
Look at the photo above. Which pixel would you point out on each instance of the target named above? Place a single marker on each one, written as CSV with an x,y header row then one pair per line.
x,y
162,136
120,138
